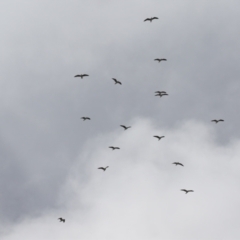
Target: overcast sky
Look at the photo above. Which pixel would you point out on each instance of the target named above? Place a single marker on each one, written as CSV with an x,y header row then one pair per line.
x,y
49,156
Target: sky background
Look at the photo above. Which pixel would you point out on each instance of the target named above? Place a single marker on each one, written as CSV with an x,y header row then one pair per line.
x,y
49,156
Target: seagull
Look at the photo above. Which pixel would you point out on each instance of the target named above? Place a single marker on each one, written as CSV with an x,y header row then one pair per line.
x,y
150,19
86,118
125,128
160,59
216,121
104,169
81,75
161,94
61,220
113,148
186,191
178,163
159,138
116,81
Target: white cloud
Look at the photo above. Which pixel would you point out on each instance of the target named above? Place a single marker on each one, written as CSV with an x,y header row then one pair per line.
x,y
139,197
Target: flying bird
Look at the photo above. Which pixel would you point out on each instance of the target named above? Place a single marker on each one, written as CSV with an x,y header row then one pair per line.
x,y
81,75
113,148
86,118
178,163
125,128
160,59
104,169
61,220
159,138
116,81
186,191
161,94
150,19
216,121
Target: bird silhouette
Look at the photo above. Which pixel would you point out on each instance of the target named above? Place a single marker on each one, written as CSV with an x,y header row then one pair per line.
x,y
61,220
178,163
186,191
116,81
216,121
113,148
125,128
160,59
159,138
161,94
81,75
150,19
86,118
104,169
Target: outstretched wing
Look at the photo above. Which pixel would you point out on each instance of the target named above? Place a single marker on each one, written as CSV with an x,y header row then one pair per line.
x,y
154,18
147,19
221,120
77,75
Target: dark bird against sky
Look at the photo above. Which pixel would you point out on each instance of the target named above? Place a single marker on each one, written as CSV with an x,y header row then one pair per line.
x,y
116,81
150,19
216,121
160,59
161,94
125,128
61,220
86,118
81,75
104,169
113,148
159,138
186,191
178,163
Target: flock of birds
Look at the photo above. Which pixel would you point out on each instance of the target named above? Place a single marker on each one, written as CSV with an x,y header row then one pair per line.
x,y
157,93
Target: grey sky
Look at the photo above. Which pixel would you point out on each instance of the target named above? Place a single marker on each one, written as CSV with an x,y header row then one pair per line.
x,y
43,45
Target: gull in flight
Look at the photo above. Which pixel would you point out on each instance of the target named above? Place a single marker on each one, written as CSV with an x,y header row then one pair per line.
x,y
81,75
116,81
104,169
61,220
216,121
150,19
160,59
178,163
125,128
113,148
86,118
159,138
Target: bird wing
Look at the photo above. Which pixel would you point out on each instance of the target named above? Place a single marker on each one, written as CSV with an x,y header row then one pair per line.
x,y
147,19
114,79
184,190
101,168
221,120
85,75
119,82
117,148
163,59
157,59
157,137
154,18
77,76
181,164
123,126
214,120
190,191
